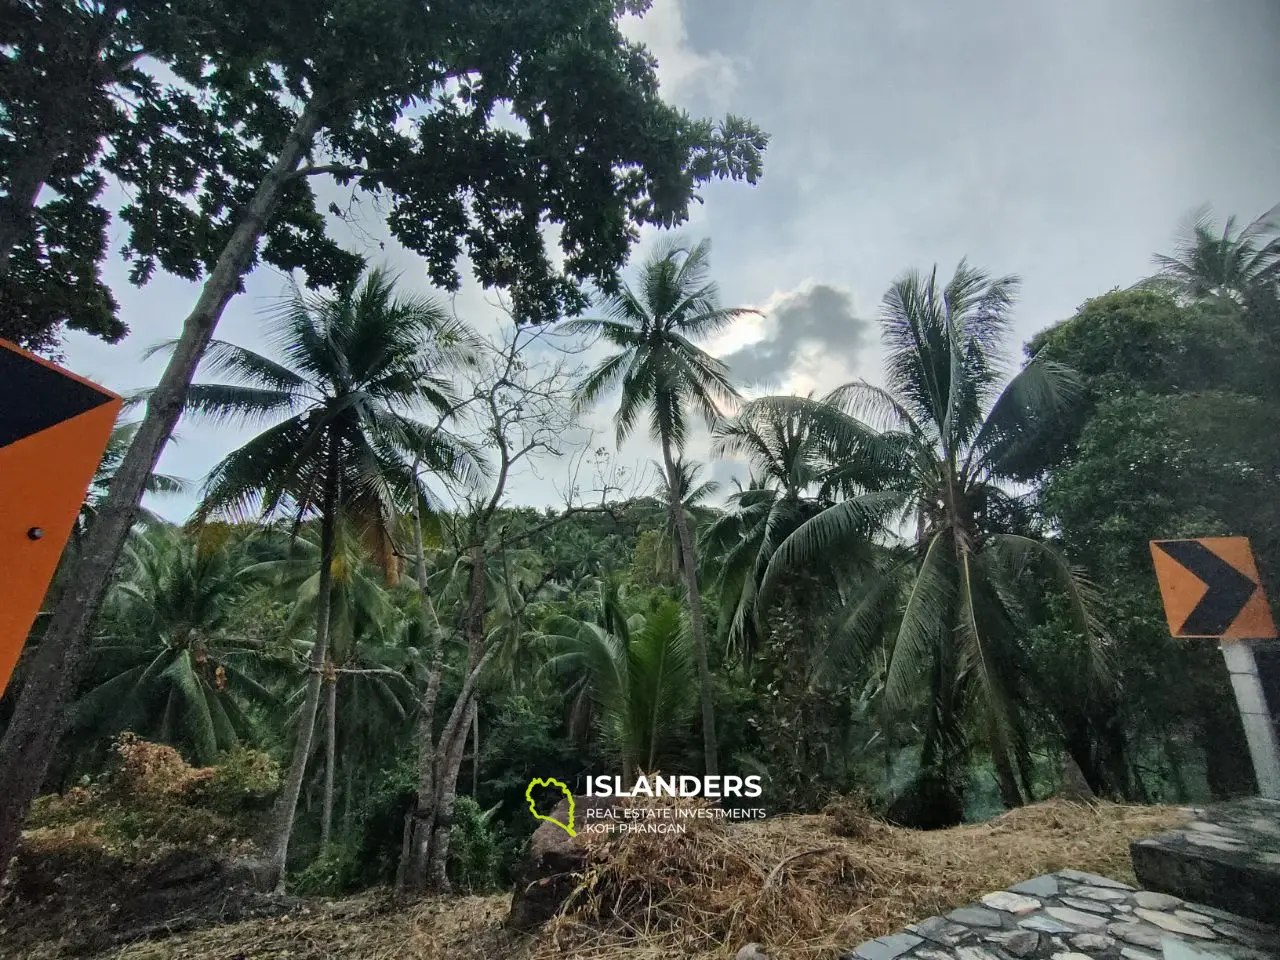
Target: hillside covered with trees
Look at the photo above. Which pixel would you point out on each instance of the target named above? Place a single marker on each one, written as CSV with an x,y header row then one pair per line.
x,y
933,593
928,595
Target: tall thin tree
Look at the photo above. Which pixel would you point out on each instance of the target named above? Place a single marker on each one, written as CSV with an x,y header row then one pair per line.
x,y
354,367
660,368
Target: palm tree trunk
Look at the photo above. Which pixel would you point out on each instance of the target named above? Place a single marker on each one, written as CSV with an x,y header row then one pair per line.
x,y
420,821
1006,779
697,628
40,716
330,757
475,753
348,795
287,802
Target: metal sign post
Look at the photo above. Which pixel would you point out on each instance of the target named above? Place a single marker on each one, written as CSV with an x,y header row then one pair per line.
x,y
1211,588
1257,710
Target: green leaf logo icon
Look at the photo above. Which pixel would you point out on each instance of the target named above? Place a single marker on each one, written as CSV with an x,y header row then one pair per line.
x,y
551,782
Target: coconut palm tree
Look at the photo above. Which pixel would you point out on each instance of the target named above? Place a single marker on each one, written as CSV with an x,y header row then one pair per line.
x,y
638,674
927,454
167,668
660,368
1236,265
693,497
353,369
792,479
361,668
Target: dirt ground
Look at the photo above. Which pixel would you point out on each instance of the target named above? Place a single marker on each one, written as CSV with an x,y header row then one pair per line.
x,y
804,886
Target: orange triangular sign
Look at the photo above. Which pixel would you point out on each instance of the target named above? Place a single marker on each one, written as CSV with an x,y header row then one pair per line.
x,y
54,427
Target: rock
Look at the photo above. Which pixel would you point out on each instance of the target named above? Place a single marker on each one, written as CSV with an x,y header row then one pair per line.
x,y
1167,921
924,953
1092,906
751,951
1093,879
1156,901
974,953
1093,942
886,948
1208,827
1105,894
1072,956
976,917
1264,825
1192,917
1252,936
1020,943
1077,918
1045,924
941,930
1216,843
1139,934
1129,953
551,871
1011,902
1042,886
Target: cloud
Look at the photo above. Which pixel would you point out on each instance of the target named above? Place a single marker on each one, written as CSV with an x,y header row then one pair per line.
x,y
809,338
683,72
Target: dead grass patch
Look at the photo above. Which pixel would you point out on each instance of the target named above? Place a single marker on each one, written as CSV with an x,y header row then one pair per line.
x,y
791,883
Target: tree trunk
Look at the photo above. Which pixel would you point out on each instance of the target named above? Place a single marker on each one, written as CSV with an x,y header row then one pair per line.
x,y
697,628
25,181
437,866
287,802
330,757
423,836
419,822
432,872
348,796
67,107
41,714
1006,779
475,753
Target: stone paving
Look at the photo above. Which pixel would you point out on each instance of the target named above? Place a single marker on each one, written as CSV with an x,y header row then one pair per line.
x,y
1228,856
1070,915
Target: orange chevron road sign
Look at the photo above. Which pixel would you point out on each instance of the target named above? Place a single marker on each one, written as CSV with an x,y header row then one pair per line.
x,y
1211,588
54,427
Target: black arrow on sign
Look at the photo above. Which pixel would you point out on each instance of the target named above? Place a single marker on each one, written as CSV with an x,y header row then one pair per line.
x,y
1229,589
34,397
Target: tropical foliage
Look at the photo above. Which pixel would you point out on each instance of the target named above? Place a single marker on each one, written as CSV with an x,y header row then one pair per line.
x,y
930,587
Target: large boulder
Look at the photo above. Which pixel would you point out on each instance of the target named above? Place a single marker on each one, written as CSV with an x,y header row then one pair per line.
x,y
554,865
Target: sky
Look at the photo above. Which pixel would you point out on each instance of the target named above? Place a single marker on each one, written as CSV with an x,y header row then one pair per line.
x,y
1061,142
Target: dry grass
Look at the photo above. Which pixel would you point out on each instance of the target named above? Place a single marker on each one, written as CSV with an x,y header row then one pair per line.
x,y
791,883
794,885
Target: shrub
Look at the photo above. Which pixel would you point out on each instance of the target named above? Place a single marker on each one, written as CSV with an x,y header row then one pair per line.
x,y
328,875
151,801
243,780
473,848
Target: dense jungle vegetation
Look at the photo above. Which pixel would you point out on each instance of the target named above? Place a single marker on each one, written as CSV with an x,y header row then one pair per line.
x,y
932,589
933,592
